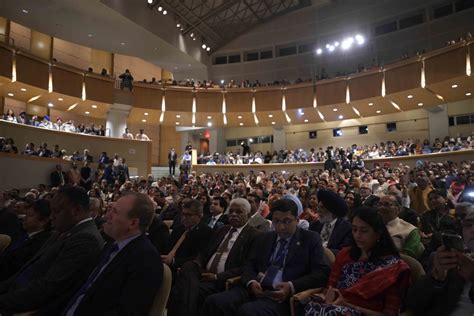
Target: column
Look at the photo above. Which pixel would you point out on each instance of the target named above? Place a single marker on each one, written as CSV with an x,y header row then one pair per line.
x,y
117,117
438,122
279,139
217,141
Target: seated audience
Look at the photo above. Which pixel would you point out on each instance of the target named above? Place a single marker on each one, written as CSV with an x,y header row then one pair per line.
x,y
49,280
10,116
226,254
127,134
419,194
129,273
367,278
141,136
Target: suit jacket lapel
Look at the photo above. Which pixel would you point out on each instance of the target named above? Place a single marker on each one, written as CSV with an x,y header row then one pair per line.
x,y
242,238
333,239
293,247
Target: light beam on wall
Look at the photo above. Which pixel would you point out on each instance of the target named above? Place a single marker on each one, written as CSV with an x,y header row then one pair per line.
x,y
356,111
283,103
255,118
72,107
50,80
315,102
254,105
34,98
423,78
14,70
162,117
224,106
383,84
348,95
83,91
225,119
468,63
321,115
288,119
396,106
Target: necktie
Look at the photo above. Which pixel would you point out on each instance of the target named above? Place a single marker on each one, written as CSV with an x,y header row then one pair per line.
x,y
276,264
212,222
223,248
326,232
103,261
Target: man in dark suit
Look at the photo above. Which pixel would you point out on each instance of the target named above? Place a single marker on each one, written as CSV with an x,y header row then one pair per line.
x,y
217,209
37,225
129,273
283,262
189,237
58,177
9,223
49,279
227,252
159,233
335,231
256,220
172,157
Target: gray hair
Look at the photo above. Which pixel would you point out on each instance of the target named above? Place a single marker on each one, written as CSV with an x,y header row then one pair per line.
x,y
243,203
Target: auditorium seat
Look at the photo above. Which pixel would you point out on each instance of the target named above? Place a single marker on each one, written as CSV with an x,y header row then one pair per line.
x,y
159,305
4,242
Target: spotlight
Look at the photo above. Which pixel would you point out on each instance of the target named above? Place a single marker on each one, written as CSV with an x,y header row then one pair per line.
x,y
204,46
319,51
178,25
341,117
192,34
208,48
336,44
165,12
347,43
209,124
150,1
331,48
222,81
160,8
359,39
50,104
194,38
327,45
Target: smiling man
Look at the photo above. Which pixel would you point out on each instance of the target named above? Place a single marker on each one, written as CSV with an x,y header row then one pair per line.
x,y
282,262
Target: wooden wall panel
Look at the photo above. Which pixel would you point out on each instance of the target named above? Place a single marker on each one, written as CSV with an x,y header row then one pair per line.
x,y
179,101
403,78
299,97
32,71
268,100
67,82
365,87
147,97
6,61
331,93
209,101
446,66
100,89
238,102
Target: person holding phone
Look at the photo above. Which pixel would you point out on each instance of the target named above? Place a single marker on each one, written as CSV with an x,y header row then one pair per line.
x,y
448,289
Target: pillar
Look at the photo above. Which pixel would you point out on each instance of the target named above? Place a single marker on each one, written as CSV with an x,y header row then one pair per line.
x,y
41,45
279,139
438,122
117,118
217,141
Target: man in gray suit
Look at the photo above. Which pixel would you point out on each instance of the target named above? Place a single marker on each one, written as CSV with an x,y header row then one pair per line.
x,y
256,220
51,277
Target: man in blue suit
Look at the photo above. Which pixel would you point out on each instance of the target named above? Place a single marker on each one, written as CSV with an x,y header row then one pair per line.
x,y
129,273
283,262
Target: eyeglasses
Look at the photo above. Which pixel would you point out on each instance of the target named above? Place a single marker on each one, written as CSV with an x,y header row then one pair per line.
x,y
284,222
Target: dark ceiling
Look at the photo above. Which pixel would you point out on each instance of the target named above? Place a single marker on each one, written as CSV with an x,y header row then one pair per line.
x,y
220,21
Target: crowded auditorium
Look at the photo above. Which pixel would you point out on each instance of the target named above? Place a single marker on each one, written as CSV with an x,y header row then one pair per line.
x,y
236,157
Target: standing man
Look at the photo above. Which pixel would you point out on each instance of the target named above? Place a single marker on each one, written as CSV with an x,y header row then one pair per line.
x,y
172,157
129,273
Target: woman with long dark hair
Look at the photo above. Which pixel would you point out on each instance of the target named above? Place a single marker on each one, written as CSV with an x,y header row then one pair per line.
x,y
367,278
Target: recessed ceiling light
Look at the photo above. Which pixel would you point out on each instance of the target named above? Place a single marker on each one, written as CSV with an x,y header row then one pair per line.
x,y
123,43
144,121
10,94
468,94
341,117
178,116
87,112
160,8
90,35
50,104
23,89
306,121
378,111
302,113
241,124
454,86
25,11
209,117
239,117
165,12
178,25
420,104
150,1
60,99
209,124
146,113
94,106
410,96
273,123
208,48
371,103
270,115
335,110
177,123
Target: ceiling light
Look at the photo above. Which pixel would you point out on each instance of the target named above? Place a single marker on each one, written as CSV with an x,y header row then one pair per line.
x,y
331,48
208,48
204,46
87,112
144,121
341,117
178,25
273,123
239,117
94,106
60,99
123,43
347,43
165,12
209,124
160,8
10,94
177,123
150,1
302,113
468,94
90,35
270,115
241,124
50,104
146,113
378,111
178,116
327,46
209,117
335,109
410,96
371,103
194,38
192,34
420,104
359,39
23,89
319,51
336,44
24,11
454,86
306,121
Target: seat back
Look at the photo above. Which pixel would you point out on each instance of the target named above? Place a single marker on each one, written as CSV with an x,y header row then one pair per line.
x,y
161,298
5,241
329,256
416,268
